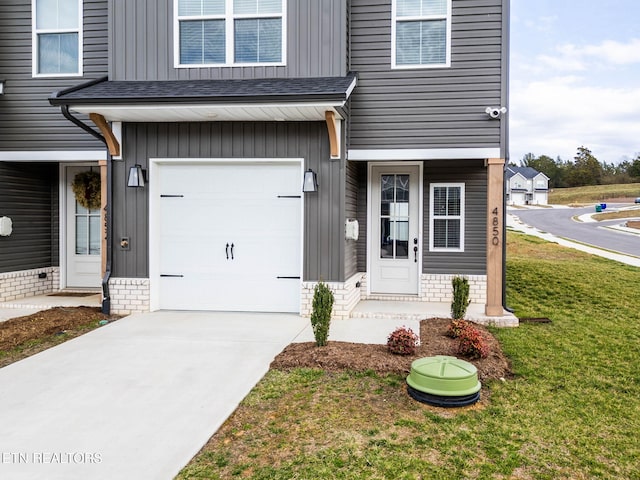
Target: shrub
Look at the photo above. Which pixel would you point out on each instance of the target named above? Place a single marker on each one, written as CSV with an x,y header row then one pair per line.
x,y
472,343
321,313
455,328
460,297
403,341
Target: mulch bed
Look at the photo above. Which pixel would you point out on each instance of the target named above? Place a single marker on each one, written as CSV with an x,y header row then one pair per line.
x,y
339,356
50,327
34,333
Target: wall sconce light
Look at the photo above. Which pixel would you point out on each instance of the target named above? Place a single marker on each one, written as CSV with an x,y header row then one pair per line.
x,y
2,87
137,176
310,183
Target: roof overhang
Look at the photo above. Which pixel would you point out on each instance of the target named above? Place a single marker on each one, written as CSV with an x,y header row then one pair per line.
x,y
263,100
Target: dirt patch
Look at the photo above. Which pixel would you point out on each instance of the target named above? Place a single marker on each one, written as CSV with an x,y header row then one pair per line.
x,y
634,224
25,336
338,356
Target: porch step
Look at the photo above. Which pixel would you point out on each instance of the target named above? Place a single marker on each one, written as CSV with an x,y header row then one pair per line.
x,y
400,310
416,310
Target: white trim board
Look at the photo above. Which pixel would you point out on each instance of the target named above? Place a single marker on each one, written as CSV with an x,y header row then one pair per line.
x,y
423,154
53,156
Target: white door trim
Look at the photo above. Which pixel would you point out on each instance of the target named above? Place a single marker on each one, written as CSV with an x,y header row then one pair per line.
x,y
370,234
154,212
64,218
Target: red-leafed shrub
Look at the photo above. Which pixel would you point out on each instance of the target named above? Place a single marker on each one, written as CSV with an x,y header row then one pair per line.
x,y
472,343
403,341
455,328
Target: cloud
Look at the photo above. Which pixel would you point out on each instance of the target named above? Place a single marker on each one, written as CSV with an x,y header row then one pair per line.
x,y
570,57
557,115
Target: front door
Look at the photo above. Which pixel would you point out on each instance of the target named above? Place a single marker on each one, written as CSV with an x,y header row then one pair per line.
x,y
83,258
395,240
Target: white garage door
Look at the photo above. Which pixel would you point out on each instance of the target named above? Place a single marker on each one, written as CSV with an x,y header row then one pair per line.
x,y
230,236
517,198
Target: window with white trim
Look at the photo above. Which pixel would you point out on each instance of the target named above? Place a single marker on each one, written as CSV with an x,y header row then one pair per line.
x,y
421,34
57,37
446,217
229,32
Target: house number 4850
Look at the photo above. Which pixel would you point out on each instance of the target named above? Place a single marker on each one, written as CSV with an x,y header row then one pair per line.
x,y
495,231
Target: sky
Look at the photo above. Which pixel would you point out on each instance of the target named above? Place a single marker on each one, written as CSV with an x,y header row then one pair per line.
x,y
575,79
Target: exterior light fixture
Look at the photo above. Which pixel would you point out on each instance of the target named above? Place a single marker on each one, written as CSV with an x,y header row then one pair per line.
x,y
310,183
137,176
2,87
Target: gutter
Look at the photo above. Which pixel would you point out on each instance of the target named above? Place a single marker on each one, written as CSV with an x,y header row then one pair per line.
x,y
53,100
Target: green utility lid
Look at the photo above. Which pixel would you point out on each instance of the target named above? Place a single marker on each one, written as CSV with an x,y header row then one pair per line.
x,y
443,375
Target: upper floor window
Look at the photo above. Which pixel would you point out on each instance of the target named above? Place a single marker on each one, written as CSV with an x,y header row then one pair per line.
x,y
447,217
421,33
57,37
229,32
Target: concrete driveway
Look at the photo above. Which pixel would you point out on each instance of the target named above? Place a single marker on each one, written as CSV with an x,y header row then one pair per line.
x,y
135,399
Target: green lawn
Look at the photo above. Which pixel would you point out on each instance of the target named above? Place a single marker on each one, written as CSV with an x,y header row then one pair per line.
x,y
593,193
572,411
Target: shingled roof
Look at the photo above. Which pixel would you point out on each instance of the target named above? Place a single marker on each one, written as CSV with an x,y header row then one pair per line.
x,y
103,91
526,172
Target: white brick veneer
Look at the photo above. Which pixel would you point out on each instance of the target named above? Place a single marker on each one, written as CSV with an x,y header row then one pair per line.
x,y
129,295
433,288
346,297
25,283
436,288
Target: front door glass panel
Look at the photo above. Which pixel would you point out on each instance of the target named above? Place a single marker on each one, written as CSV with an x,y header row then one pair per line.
x,y
87,230
394,216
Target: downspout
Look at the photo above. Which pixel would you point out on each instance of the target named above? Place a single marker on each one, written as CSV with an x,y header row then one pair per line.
x,y
505,56
106,296
79,123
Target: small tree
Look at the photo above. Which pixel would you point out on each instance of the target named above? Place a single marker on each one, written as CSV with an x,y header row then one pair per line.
x,y
460,297
321,314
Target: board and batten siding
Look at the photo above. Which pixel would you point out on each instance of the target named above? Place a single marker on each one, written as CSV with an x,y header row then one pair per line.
x,y
142,43
429,107
30,198
474,258
324,210
27,120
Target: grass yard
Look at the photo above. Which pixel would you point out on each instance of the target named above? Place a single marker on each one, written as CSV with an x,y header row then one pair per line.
x,y
593,193
572,411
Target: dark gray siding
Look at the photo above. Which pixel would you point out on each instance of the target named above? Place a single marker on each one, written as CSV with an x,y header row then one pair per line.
x,y
27,121
142,43
324,210
356,207
428,108
30,198
351,212
473,260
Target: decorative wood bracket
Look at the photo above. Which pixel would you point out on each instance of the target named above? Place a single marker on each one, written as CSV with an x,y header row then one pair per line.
x,y
333,126
110,138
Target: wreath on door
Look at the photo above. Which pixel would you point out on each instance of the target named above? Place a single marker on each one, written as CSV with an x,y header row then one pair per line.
x,y
86,188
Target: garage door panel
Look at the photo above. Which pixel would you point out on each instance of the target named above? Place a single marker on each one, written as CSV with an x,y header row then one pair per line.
x,y
241,204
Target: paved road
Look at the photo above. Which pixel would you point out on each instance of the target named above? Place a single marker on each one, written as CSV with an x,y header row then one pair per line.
x,y
559,221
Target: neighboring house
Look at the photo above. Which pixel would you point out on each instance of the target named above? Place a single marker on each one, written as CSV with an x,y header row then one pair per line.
x,y
526,186
47,46
224,108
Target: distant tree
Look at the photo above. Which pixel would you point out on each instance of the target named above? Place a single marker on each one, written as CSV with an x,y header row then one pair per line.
x,y
634,168
585,170
547,165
